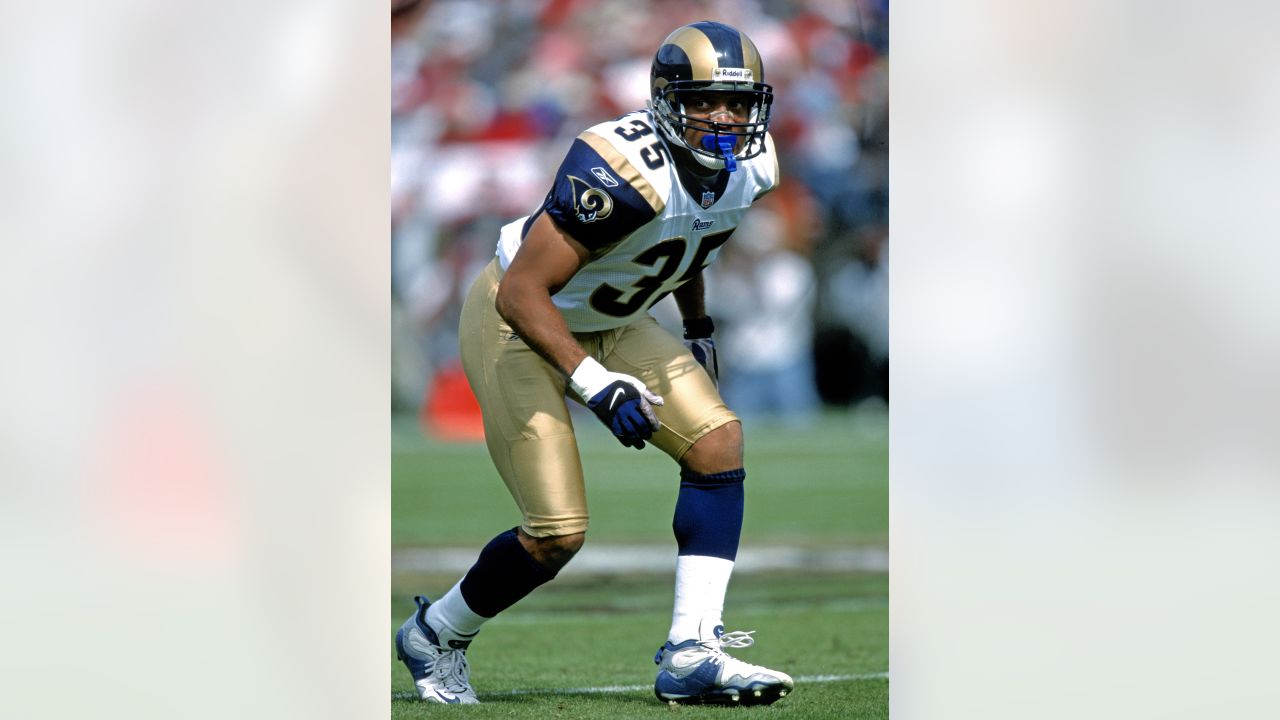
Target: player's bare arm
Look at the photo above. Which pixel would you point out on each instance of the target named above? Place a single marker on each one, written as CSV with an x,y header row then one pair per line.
x,y
691,298
547,260
698,327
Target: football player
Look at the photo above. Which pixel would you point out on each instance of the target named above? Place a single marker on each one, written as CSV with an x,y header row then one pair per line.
x,y
639,207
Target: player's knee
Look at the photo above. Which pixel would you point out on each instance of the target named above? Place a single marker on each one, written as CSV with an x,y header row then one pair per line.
x,y
718,451
566,545
553,552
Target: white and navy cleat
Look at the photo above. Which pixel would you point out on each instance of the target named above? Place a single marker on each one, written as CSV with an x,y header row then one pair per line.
x,y
699,671
439,671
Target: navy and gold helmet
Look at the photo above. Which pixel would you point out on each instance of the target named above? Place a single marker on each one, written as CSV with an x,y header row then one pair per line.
x,y
709,56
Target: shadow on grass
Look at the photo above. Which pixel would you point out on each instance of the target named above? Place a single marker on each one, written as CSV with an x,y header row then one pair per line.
x,y
533,697
520,695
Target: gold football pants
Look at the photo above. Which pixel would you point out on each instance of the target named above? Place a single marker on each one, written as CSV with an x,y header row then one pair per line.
x,y
526,421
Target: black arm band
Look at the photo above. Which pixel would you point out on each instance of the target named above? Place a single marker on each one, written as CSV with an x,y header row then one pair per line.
x,y
698,328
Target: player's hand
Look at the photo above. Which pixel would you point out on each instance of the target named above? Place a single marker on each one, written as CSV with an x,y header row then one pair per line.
x,y
697,337
622,402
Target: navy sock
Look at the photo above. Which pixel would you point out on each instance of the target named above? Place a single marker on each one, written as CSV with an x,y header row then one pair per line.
x,y
503,574
708,517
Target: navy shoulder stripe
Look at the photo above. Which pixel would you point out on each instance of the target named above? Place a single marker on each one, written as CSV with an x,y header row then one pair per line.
x,y
591,203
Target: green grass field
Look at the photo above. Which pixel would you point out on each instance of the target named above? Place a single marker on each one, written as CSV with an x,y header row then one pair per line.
x,y
582,646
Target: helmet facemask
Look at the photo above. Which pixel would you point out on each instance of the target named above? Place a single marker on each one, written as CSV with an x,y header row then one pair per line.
x,y
669,111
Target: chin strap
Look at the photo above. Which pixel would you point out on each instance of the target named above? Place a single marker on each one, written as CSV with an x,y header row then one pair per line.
x,y
724,144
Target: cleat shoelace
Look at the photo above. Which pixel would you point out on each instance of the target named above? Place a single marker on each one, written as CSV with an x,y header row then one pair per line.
x,y
451,668
735,639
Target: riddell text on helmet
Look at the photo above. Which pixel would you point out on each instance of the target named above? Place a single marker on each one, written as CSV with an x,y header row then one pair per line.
x,y
740,74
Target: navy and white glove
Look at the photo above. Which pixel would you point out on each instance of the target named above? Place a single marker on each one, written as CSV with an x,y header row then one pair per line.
x,y
697,337
621,402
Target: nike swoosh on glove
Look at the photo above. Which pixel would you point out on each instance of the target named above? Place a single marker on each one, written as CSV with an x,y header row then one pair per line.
x,y
627,414
697,338
622,402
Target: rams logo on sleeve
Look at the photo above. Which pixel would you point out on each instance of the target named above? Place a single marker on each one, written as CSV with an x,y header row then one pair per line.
x,y
599,202
589,204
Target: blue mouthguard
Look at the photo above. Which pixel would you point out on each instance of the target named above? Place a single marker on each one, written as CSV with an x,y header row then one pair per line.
x,y
725,145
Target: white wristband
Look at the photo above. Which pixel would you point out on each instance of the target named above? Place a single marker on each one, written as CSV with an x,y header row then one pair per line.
x,y
590,378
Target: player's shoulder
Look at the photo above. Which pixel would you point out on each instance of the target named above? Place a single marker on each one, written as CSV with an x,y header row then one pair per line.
x,y
603,190
764,168
622,131
635,151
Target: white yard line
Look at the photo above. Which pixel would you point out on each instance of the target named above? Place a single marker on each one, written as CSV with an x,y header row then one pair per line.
x,y
739,610
617,559
611,689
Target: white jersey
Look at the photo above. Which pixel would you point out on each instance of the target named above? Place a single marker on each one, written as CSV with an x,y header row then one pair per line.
x,y
649,227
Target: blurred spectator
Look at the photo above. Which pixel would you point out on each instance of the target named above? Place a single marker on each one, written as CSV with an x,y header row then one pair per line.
x,y
762,297
851,341
485,97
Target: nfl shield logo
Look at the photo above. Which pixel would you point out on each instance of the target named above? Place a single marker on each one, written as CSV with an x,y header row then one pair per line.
x,y
708,199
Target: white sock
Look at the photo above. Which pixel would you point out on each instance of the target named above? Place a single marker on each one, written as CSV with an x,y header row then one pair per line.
x,y
701,583
452,618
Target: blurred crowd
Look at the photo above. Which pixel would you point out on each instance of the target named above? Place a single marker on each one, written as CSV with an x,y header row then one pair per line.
x,y
487,96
